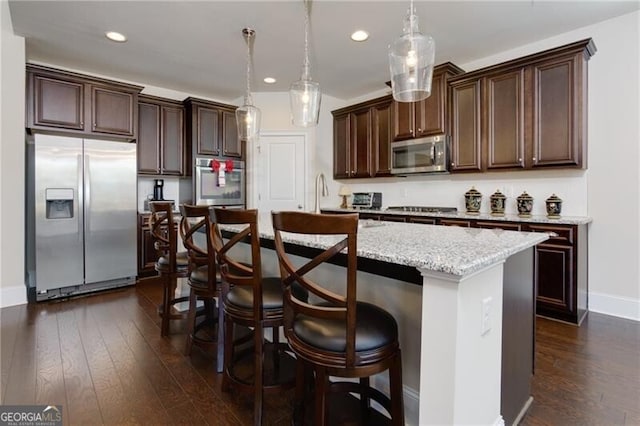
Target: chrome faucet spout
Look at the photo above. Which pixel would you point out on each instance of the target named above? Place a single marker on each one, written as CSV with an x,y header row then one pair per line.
x,y
321,184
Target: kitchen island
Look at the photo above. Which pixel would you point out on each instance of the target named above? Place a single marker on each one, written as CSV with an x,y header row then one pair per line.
x,y
456,369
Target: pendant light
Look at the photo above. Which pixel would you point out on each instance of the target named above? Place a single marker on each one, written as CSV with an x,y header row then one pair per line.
x,y
411,58
248,116
304,94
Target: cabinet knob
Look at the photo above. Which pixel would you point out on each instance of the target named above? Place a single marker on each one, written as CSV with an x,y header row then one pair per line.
x,y
453,164
519,160
419,129
534,159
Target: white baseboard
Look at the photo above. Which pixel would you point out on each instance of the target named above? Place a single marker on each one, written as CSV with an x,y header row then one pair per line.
x,y
623,307
11,296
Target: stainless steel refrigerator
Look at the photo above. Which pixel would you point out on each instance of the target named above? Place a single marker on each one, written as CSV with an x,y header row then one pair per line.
x,y
82,207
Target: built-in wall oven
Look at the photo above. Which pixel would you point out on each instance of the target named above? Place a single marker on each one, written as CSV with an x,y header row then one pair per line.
x,y
219,182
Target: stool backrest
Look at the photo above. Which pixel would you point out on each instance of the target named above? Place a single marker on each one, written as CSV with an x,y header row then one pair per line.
x,y
195,231
340,231
232,271
163,231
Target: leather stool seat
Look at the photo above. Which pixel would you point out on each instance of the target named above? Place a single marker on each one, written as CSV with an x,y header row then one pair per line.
x,y
182,263
200,277
242,297
375,328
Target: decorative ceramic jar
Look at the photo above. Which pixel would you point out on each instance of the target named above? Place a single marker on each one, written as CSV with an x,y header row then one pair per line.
x,y
472,200
554,206
524,202
497,203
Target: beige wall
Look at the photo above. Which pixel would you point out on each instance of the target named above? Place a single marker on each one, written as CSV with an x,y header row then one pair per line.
x,y
12,152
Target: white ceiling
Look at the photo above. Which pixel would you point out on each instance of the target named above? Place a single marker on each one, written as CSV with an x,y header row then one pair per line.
x,y
197,46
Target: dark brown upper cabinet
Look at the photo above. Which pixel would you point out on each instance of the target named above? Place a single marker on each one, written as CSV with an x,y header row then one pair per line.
x,y
211,129
69,102
465,126
161,137
361,140
527,113
427,117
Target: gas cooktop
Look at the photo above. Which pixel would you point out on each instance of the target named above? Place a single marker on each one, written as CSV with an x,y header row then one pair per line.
x,y
423,209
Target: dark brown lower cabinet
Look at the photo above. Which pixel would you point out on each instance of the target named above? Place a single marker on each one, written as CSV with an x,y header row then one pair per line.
x,y
560,263
146,251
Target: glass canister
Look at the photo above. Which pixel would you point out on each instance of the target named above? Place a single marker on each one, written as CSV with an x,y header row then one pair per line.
x,y
524,202
554,206
498,200
472,201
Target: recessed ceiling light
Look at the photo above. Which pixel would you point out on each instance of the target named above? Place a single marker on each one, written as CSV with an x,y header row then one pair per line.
x,y
269,80
115,36
359,35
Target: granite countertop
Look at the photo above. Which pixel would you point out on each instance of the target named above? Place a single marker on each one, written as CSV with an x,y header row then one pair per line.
x,y
562,220
453,250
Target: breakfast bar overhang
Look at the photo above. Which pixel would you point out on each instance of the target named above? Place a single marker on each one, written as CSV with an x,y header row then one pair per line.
x,y
466,294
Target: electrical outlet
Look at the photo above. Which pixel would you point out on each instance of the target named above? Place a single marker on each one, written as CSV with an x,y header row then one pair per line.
x,y
485,321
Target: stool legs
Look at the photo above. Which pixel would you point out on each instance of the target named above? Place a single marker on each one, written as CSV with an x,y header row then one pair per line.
x,y
170,283
191,320
395,390
258,354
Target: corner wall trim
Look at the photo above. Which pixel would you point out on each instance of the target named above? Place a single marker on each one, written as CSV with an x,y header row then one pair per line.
x,y
623,307
11,296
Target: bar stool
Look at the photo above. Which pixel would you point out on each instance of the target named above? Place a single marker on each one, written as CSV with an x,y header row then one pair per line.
x,y
204,279
254,301
336,335
171,264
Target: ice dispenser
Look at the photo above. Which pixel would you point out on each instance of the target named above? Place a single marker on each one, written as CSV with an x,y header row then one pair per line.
x,y
59,203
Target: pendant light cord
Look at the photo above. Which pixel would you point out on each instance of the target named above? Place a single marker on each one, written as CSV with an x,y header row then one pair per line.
x,y
306,66
248,33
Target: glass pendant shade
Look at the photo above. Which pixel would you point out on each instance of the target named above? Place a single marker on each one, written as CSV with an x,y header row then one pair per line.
x,y
305,97
304,94
248,116
248,121
411,59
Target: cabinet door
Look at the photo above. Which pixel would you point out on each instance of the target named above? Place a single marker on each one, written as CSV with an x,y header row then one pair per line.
x,y
341,140
553,278
465,132
231,145
557,100
403,120
206,124
393,218
504,120
172,140
112,111
57,103
499,225
455,222
429,113
424,220
360,148
381,134
148,138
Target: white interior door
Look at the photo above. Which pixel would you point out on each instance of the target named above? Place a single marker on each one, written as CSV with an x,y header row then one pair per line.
x,y
280,164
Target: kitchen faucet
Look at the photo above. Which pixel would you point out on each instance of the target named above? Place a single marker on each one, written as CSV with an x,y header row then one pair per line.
x,y
320,180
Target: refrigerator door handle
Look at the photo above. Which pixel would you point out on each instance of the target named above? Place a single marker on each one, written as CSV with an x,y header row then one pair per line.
x,y
80,196
87,193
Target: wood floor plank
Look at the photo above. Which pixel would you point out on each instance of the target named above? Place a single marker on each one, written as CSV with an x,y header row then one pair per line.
x,y
144,401
21,380
82,403
114,405
10,326
50,385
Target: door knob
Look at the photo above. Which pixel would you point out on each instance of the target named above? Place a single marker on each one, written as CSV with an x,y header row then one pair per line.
x,y
299,206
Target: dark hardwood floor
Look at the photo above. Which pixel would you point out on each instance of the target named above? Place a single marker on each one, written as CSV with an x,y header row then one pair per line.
x,y
102,358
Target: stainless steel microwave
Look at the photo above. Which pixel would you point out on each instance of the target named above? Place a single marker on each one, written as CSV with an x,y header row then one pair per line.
x,y
424,155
